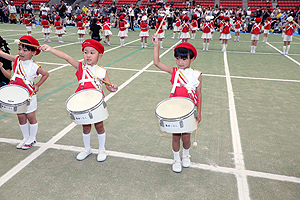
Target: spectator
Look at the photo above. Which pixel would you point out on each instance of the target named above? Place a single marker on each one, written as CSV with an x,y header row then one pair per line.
x,y
277,26
12,13
29,8
62,13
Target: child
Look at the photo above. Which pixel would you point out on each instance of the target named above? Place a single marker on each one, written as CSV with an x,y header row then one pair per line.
x,y
46,28
289,29
212,25
144,34
225,33
95,30
185,28
206,35
160,33
92,52
184,54
176,27
194,26
81,31
267,28
221,23
25,71
106,30
27,22
59,29
255,31
237,29
122,30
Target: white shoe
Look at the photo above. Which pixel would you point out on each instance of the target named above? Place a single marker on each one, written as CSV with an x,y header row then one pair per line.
x,y
61,41
101,156
176,167
145,46
203,49
186,161
28,144
161,47
172,37
234,40
21,144
84,154
49,40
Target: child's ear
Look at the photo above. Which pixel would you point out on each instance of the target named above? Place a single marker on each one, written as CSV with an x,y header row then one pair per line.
x,y
34,53
100,56
193,59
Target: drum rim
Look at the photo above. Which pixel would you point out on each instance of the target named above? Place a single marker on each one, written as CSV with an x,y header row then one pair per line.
x,y
15,104
178,118
87,110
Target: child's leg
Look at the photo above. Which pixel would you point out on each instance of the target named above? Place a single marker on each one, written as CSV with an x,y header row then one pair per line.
x,y
45,37
142,42
33,130
186,143
86,135
176,167
207,44
24,129
145,46
288,47
48,36
101,138
160,42
173,35
204,41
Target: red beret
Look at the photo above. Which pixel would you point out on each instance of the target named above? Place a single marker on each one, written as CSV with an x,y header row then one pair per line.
x,y
79,18
221,17
44,16
121,18
186,18
181,16
195,15
187,46
238,18
57,17
93,43
226,18
269,18
258,20
26,14
159,19
33,41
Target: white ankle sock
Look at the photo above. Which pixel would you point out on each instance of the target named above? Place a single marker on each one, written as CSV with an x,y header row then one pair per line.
x,y
176,155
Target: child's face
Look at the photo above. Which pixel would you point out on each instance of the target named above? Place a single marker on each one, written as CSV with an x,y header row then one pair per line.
x,y
25,54
184,63
91,55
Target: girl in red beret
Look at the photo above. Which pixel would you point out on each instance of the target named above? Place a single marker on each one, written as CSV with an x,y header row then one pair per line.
x,y
267,28
194,26
289,30
186,83
106,30
237,29
25,71
206,33
46,28
255,32
27,21
176,27
144,34
161,32
81,29
225,33
122,29
59,29
92,52
185,29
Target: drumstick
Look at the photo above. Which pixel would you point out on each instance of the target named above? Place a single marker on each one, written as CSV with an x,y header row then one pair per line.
x,y
162,21
30,97
104,81
19,42
195,141
296,24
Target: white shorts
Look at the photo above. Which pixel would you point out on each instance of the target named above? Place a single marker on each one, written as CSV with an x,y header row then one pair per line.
x,y
266,31
237,30
123,33
60,32
185,35
194,28
28,28
254,37
33,105
176,29
46,30
144,34
107,32
225,36
287,38
206,35
81,32
161,35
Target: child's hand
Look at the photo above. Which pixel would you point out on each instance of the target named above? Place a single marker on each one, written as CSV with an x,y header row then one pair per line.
x,y
45,48
36,88
113,87
155,39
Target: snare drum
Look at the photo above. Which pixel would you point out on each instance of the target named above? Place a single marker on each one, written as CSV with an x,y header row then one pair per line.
x,y
14,99
87,107
176,115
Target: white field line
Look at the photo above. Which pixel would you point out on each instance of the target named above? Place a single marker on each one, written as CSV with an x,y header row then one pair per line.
x,y
8,175
284,55
212,168
242,183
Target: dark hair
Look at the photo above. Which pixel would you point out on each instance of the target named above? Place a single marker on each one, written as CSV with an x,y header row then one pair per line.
x,y
30,48
4,44
183,53
94,23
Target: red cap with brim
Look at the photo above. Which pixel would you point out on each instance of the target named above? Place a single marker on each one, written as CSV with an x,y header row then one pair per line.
x,y
93,43
32,41
187,46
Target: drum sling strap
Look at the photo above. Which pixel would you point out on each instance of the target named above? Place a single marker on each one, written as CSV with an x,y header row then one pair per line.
x,y
20,73
91,77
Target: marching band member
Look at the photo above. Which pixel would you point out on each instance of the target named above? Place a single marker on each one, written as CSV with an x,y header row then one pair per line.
x,y
212,25
161,33
122,30
186,83
194,26
225,33
27,22
185,28
59,29
289,29
206,33
176,27
46,28
255,31
267,28
237,29
106,30
81,31
25,71
92,52
144,31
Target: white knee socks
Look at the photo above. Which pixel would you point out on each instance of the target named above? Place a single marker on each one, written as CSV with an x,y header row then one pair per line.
x,y
33,131
25,131
101,138
87,141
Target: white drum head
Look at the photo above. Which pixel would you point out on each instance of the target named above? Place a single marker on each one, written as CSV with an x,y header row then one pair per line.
x,y
84,100
13,94
175,107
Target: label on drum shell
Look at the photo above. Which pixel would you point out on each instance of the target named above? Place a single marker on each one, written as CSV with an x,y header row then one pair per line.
x,y
172,125
6,107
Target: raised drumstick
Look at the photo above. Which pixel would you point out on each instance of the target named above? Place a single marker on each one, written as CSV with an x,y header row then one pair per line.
x,y
19,42
162,21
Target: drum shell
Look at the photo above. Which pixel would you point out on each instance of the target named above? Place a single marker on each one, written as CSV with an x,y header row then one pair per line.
x,y
15,108
92,115
183,124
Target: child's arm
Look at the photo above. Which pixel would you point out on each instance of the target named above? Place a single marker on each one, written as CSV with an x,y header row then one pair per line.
x,y
45,75
60,54
198,89
7,56
156,60
112,87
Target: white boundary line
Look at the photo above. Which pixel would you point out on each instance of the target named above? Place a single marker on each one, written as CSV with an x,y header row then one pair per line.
x,y
242,183
8,175
284,55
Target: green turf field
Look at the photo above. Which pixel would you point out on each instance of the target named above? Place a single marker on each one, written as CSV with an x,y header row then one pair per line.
x,y
248,139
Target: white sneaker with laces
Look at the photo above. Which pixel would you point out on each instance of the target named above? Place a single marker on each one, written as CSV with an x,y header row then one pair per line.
x,y
101,156
21,144
176,167
84,154
186,161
